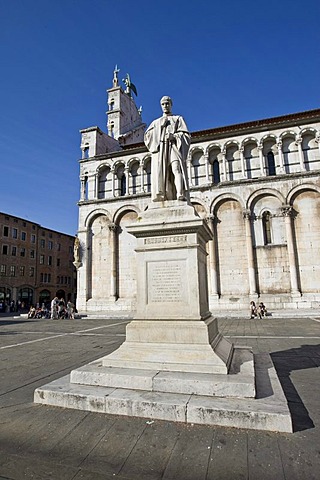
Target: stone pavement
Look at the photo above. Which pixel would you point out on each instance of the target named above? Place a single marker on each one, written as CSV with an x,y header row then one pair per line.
x,y
41,442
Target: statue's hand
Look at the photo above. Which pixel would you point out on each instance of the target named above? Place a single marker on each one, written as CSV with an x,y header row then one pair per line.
x,y
172,138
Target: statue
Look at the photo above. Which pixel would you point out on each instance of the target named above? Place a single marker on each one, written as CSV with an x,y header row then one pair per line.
x,y
76,250
115,76
129,86
168,139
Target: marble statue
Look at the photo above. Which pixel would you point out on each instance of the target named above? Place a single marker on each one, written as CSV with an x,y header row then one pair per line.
x,y
168,139
76,250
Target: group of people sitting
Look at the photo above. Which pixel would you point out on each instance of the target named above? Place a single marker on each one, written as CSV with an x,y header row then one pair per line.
x,y
38,312
59,309
257,311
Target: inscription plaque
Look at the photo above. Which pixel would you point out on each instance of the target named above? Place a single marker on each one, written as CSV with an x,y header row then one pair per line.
x,y
167,281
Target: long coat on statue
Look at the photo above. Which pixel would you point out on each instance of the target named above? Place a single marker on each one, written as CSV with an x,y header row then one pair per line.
x,y
164,153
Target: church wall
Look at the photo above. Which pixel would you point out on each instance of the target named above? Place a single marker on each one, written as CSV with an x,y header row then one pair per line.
x,y
232,256
244,188
307,235
100,258
127,258
273,269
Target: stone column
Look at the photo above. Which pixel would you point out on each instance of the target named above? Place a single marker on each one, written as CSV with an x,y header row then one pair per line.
x,y
206,159
281,164
242,161
251,269
113,279
224,164
112,181
301,159
141,171
83,181
96,185
213,273
261,159
126,172
287,212
189,171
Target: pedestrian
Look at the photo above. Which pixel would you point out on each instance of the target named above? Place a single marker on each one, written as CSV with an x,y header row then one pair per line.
x,y
54,308
70,310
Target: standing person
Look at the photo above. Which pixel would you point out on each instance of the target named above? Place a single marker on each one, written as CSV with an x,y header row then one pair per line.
x,y
168,139
61,308
54,308
70,310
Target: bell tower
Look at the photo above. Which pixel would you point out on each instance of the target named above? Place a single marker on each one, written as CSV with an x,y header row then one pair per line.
x,y
124,122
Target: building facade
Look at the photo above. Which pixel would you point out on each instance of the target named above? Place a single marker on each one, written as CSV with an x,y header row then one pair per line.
x,y
257,184
36,264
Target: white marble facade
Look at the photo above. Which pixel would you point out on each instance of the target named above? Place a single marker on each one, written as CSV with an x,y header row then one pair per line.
x,y
256,183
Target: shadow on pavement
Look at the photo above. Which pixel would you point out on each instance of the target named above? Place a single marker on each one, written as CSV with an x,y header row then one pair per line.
x,y
286,362
14,322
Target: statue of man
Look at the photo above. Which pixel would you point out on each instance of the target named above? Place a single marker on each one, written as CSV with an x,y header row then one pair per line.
x,y
76,250
168,139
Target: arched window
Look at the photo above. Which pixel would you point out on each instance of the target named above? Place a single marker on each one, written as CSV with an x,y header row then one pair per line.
x,y
216,172
266,225
271,164
102,182
196,168
148,175
86,151
123,185
134,177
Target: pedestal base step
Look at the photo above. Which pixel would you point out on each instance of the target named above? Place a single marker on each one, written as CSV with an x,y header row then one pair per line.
x,y
240,383
268,411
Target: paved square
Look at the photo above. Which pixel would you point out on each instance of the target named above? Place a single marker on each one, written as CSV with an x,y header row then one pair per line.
x,y
40,442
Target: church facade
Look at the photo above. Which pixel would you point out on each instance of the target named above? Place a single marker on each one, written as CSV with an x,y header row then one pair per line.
x,y
257,184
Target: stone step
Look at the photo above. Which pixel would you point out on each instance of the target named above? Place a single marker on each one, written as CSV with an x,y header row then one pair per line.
x,y
239,383
268,411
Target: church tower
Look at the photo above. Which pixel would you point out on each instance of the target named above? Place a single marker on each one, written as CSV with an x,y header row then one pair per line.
x,y
124,122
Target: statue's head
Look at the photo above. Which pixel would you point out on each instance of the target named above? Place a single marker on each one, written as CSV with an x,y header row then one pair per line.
x,y
166,104
166,99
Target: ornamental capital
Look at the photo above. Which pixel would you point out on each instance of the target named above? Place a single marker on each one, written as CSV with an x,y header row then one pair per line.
x,y
247,214
113,227
287,211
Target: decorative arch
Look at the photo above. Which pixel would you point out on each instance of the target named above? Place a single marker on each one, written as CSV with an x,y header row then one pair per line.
x,y
132,161
213,146
102,166
263,192
122,211
288,133
224,197
309,130
299,189
200,207
94,214
231,142
249,140
195,149
267,137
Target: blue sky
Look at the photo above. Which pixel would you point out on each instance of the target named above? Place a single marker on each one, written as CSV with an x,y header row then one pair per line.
x,y
222,63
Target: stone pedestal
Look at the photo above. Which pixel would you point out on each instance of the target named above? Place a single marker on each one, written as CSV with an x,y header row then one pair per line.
x,y
174,330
